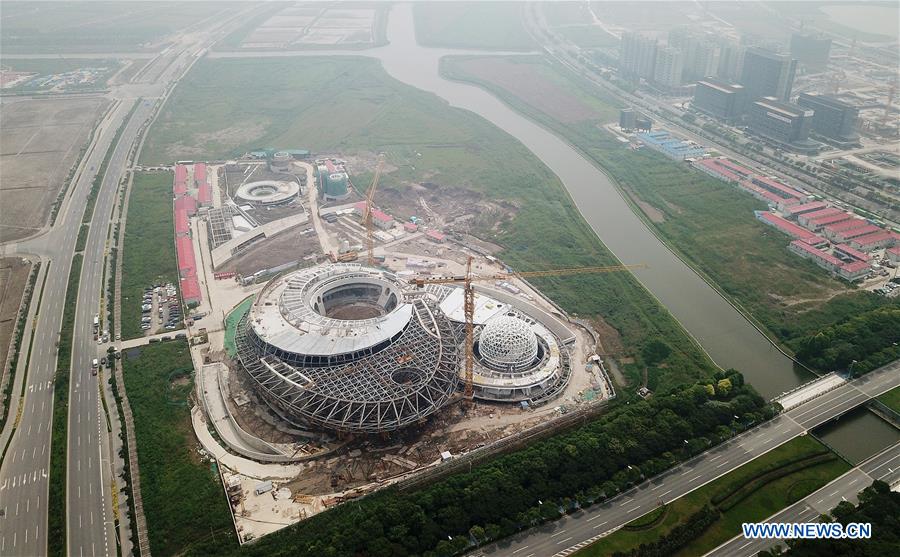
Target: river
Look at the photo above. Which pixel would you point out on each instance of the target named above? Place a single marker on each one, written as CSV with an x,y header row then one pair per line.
x,y
729,339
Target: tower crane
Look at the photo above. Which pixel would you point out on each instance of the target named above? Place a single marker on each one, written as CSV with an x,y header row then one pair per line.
x,y
469,298
367,214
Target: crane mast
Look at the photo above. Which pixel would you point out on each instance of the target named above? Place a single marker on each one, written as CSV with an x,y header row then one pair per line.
x,y
467,281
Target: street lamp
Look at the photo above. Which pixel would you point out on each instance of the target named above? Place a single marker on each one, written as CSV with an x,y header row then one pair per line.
x,y
850,370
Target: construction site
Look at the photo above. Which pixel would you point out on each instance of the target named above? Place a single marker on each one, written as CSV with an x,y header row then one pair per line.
x,y
348,349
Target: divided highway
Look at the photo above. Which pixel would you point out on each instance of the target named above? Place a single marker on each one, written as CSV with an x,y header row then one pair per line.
x,y
576,531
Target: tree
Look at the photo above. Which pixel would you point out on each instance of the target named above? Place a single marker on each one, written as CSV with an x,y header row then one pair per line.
x,y
723,387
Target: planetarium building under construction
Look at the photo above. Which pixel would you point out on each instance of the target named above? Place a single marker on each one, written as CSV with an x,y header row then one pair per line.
x,y
352,348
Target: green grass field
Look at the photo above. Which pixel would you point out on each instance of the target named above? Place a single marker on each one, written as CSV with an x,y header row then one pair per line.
x,y
350,106
485,25
183,498
709,222
891,399
759,505
66,27
149,252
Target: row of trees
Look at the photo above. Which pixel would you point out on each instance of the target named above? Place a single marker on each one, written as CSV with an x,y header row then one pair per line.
x,y
516,491
864,342
878,506
680,536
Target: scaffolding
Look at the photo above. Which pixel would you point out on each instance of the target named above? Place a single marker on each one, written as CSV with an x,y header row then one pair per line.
x,y
389,387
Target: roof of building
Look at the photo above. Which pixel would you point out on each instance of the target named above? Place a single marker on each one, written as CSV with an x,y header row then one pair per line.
x,y
381,216
773,197
204,193
846,225
186,203
786,226
784,109
410,226
200,172
825,256
873,238
734,167
855,266
894,250
829,219
436,234
778,186
852,252
715,166
190,289
182,224
184,248
720,85
826,212
806,207
861,231
180,173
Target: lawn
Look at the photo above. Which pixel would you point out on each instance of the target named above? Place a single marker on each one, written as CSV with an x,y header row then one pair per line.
x,y
757,506
483,25
183,499
66,27
891,399
349,106
149,252
710,223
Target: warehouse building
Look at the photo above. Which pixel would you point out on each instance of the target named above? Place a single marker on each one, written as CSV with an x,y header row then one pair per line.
x,y
851,271
804,208
789,228
670,146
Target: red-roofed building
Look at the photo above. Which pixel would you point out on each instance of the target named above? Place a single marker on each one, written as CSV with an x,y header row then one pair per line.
x,y
819,223
786,226
893,254
876,240
182,224
179,189
436,236
832,230
204,195
734,167
188,204
382,220
190,290
765,195
847,235
851,252
849,271
776,187
181,173
827,212
410,226
184,249
801,208
717,170
199,173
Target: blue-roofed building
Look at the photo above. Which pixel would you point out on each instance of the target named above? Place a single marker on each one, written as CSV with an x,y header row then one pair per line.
x,y
671,146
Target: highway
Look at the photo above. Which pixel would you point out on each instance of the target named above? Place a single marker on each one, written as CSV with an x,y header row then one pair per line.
x,y
884,466
24,483
575,531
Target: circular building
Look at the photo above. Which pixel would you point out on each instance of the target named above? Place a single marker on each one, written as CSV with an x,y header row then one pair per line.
x,y
281,161
348,348
268,193
508,343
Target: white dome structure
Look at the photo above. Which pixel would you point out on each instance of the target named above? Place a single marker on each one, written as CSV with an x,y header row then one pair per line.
x,y
508,342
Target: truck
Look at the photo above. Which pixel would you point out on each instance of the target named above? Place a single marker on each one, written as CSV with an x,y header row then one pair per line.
x,y
96,322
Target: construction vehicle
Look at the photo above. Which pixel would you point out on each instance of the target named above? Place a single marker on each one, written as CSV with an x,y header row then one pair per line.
x,y
367,213
345,257
469,299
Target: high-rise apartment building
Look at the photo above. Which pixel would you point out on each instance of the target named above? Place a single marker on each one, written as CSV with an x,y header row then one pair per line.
x,y
669,67
811,51
637,55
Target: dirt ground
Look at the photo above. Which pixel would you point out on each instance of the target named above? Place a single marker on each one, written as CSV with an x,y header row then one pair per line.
x,y
288,246
41,141
13,278
531,87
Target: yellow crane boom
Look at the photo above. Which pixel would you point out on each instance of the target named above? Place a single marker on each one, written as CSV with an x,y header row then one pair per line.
x,y
367,215
469,298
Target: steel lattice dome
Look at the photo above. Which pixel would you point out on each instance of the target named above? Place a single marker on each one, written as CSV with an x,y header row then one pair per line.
x,y
508,342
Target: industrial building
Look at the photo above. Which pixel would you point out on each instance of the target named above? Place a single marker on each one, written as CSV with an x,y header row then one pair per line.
x,y
833,120
786,125
671,146
719,99
333,179
811,51
767,74
356,349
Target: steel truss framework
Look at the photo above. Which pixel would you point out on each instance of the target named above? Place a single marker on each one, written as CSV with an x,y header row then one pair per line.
x,y
390,387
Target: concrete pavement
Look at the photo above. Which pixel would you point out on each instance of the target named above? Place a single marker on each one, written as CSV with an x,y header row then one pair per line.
x,y
884,466
572,532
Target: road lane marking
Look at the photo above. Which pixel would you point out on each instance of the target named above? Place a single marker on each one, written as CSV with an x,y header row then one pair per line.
x,y
564,541
634,509
595,518
601,524
520,549
558,533
721,465
695,478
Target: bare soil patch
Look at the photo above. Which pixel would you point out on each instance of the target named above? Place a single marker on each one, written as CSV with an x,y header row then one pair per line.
x,y
42,140
13,279
532,87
